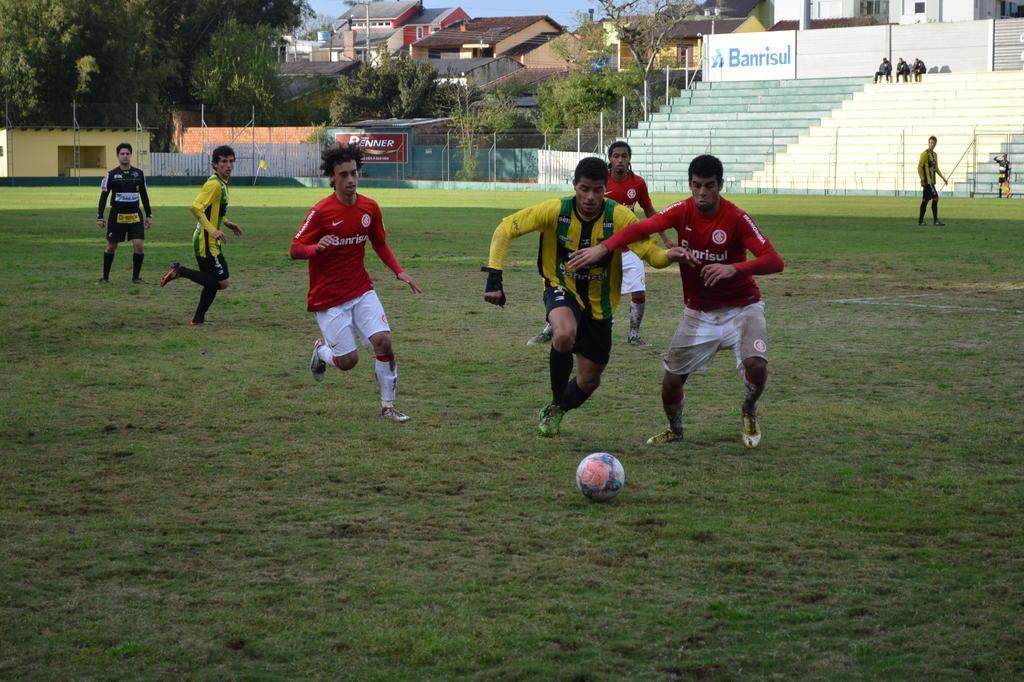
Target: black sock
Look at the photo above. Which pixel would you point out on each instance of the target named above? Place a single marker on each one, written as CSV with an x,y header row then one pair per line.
x,y
573,396
924,207
108,260
205,301
137,264
560,367
203,279
935,210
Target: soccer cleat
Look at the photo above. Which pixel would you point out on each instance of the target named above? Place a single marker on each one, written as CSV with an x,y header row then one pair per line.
x,y
172,273
317,367
665,437
544,336
634,339
550,420
103,280
138,280
393,414
939,223
204,323
920,223
751,431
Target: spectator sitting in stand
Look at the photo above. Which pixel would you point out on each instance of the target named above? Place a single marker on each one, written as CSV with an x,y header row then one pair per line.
x,y
884,71
919,68
902,69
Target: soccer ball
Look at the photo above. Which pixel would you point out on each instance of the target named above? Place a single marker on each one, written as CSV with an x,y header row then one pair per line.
x,y
600,477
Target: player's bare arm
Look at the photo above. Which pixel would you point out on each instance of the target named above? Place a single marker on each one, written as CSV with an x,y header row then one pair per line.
x,y
233,227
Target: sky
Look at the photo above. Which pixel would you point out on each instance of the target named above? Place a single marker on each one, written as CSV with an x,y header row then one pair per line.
x,y
562,11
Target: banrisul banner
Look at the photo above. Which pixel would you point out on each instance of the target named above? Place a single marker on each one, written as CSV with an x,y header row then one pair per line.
x,y
768,55
378,147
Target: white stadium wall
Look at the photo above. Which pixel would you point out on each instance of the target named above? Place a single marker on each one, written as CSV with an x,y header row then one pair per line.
x,y
960,47
965,46
1008,53
838,52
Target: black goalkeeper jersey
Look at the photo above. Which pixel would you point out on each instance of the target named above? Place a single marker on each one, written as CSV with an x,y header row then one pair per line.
x,y
128,188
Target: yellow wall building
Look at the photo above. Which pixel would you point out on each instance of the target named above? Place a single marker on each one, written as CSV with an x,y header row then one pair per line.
x,y
50,152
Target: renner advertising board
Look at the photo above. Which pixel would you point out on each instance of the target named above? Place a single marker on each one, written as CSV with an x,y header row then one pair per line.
x,y
769,55
378,147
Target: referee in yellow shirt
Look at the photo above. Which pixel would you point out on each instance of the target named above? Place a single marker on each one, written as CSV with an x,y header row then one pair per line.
x,y
210,208
579,303
927,169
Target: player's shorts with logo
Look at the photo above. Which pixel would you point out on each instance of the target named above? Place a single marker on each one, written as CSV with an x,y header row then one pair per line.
x,y
633,277
340,325
701,334
593,337
215,264
928,192
124,226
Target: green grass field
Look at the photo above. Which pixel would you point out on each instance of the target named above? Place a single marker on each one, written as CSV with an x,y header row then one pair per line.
x,y
182,502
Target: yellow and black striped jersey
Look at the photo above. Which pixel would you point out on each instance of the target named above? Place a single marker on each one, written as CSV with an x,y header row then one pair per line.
x,y
210,207
562,232
928,166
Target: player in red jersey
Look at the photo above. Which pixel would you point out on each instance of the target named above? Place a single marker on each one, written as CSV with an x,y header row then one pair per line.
x,y
333,237
723,304
629,189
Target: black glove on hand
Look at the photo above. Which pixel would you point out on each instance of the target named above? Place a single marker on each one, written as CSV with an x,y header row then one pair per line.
x,y
494,283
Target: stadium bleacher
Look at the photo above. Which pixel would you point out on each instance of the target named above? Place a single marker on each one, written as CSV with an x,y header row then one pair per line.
x,y
742,123
871,143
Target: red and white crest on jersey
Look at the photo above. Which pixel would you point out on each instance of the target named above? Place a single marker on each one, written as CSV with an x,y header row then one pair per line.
x,y
719,237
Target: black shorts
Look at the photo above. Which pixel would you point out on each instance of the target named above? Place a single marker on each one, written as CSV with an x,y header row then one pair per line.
x,y
593,337
124,226
928,192
215,264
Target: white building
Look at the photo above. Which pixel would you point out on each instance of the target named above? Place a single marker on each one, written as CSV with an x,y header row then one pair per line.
x,y
901,11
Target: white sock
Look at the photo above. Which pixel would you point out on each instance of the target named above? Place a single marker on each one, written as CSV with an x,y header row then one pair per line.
x,y
387,377
325,353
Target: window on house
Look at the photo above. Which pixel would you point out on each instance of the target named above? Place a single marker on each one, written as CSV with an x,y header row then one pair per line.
x,y
433,54
419,32
874,8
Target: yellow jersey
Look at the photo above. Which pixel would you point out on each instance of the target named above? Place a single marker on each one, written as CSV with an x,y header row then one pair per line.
x,y
210,207
562,232
928,166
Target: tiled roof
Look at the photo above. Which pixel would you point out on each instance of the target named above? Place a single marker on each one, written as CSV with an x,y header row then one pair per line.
x,y
488,30
845,22
379,10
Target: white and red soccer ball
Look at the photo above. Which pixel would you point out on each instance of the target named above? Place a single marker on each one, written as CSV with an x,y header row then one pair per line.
x,y
600,476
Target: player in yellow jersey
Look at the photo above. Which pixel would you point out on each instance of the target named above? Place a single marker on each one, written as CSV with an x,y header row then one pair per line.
x,y
927,169
210,208
579,303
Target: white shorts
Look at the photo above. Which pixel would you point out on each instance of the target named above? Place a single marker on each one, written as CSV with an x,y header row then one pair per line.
x,y
363,316
701,334
633,277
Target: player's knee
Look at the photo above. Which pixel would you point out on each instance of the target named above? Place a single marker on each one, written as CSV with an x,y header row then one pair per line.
x,y
381,343
111,247
756,370
223,284
563,341
639,297
671,384
589,383
346,362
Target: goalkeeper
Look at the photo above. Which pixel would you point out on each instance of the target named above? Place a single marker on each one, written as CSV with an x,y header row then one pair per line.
x,y
579,304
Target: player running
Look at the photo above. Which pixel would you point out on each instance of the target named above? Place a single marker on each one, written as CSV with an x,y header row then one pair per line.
x,y
1003,163
210,208
333,238
723,304
579,304
927,169
628,189
125,221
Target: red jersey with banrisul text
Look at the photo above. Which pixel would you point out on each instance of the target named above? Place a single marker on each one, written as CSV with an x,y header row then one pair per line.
x,y
628,192
724,237
338,274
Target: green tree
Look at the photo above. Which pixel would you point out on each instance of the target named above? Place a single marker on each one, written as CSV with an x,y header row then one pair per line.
x,y
238,71
475,115
397,87
576,100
